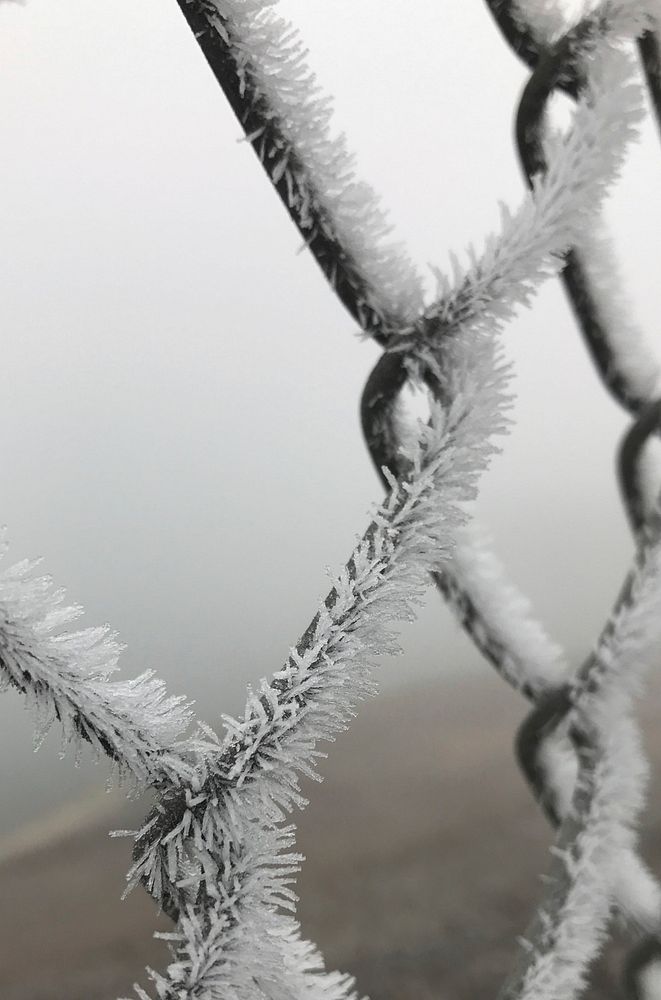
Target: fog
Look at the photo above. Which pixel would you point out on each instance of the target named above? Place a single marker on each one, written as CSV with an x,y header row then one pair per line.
x,y
179,434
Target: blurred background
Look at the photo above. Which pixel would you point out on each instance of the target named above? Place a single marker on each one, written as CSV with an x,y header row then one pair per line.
x,y
179,389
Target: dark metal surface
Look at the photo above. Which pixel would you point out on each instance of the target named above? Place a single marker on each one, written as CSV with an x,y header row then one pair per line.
x,y
629,470
649,47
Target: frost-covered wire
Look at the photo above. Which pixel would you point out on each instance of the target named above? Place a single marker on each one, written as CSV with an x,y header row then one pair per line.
x,y
529,246
217,850
635,626
571,923
504,629
599,829
481,295
229,833
537,32
497,619
68,676
531,662
259,61
532,242
484,297
636,484
254,754
530,29
632,368
531,25
628,367
224,944
282,966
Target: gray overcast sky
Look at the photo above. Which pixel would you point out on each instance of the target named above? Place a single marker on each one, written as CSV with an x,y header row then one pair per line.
x,y
179,389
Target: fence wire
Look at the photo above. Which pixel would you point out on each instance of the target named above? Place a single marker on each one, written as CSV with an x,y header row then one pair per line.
x,y
214,852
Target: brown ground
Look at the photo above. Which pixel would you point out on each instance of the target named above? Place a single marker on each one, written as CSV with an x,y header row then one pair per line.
x,y
424,853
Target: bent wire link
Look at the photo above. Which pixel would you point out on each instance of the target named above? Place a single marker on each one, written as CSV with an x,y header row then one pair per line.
x,y
544,728
523,41
557,68
630,467
378,412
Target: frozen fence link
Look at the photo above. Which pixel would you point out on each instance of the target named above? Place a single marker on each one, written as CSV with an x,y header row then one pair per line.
x,y
498,620
620,351
598,831
641,499
68,677
218,851
628,368
254,783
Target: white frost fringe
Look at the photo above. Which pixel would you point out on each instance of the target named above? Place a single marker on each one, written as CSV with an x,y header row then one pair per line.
x,y
596,849
326,674
228,863
582,164
618,108
67,676
634,357
270,58
533,661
